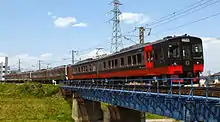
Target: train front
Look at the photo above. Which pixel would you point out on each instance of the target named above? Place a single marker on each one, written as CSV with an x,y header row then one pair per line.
x,y
191,57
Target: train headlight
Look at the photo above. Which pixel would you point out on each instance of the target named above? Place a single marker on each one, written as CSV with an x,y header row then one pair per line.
x,y
197,62
174,63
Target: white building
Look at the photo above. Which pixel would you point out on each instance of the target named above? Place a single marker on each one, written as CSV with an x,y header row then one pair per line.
x,y
4,68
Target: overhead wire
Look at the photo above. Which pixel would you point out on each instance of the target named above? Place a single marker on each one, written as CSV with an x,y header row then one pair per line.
x,y
192,22
179,13
185,14
171,14
182,11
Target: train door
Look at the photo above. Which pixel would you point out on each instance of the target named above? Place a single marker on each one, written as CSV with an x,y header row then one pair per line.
x,y
187,55
148,56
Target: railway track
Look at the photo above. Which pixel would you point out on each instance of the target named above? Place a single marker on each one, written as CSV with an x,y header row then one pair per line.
x,y
198,91
213,90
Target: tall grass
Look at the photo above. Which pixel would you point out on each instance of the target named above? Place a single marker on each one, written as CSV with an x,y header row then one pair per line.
x,y
32,102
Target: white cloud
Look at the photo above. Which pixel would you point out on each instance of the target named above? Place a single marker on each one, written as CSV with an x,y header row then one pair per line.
x,y
54,17
80,25
211,49
3,54
131,18
49,13
29,62
64,21
46,55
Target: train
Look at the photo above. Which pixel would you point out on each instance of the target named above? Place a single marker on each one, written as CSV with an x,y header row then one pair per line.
x,y
169,57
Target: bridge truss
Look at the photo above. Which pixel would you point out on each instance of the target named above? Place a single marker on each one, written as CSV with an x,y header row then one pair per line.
x,y
165,101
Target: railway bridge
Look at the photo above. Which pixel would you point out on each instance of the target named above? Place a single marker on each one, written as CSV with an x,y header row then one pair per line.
x,y
129,102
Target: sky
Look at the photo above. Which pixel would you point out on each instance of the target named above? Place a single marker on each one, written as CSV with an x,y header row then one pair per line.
x,y
47,30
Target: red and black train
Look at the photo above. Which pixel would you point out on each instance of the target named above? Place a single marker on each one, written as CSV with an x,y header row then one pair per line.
x,y
170,57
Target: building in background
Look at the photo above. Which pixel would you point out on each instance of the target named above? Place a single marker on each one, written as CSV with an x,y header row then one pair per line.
x,y
4,68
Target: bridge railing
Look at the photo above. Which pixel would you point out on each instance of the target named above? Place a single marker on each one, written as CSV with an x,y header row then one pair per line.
x,y
155,85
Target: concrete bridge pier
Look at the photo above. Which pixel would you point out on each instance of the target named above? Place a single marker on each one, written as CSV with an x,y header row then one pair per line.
x,y
79,113
94,111
86,110
120,114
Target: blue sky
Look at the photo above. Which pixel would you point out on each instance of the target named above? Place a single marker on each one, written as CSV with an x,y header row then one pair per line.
x,y
49,29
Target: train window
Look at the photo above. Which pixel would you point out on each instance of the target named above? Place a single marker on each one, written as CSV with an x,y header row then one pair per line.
x,y
122,62
173,51
93,67
162,56
90,67
139,59
112,63
129,60
116,62
86,68
82,69
196,48
134,59
104,64
109,64
156,55
79,69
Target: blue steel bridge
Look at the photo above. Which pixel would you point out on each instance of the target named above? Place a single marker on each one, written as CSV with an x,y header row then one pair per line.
x,y
192,103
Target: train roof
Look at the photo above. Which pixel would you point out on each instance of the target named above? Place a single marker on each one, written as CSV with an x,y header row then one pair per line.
x,y
134,47
61,66
130,48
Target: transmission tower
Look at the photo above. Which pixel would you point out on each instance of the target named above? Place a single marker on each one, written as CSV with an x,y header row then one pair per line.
x,y
116,40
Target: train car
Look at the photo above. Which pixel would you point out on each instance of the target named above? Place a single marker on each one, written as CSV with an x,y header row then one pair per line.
x,y
39,75
48,75
18,77
170,57
57,74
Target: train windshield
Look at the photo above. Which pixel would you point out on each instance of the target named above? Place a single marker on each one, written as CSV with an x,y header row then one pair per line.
x,y
173,51
197,48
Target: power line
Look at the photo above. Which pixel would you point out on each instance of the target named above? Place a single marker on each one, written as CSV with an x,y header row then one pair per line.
x,y
175,15
129,39
183,14
192,22
97,52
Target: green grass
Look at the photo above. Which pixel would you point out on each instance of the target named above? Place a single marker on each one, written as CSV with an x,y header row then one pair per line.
x,y
154,116
33,102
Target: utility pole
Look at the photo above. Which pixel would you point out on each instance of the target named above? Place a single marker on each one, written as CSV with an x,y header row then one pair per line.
x,y
141,34
19,65
116,39
39,64
73,57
